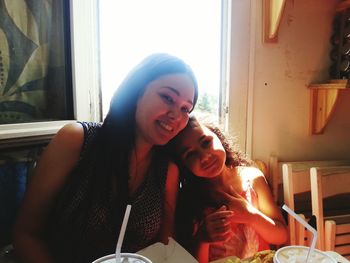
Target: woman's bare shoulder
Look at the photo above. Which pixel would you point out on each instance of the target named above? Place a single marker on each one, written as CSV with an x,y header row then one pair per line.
x,y
63,152
71,135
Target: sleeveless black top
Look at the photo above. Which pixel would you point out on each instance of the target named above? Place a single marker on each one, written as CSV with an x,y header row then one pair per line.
x,y
84,226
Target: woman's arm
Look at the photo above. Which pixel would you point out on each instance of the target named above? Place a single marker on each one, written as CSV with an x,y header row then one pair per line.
x,y
171,191
56,162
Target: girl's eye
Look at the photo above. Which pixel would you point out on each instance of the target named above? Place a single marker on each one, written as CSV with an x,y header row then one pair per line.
x,y
207,142
167,98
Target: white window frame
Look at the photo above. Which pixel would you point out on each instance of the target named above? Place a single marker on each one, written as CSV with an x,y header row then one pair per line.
x,y
240,79
85,76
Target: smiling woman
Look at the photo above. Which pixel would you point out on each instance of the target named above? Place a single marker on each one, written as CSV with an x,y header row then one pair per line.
x,y
100,168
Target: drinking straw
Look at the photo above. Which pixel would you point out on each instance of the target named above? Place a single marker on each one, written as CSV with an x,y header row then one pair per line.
x,y
305,224
121,234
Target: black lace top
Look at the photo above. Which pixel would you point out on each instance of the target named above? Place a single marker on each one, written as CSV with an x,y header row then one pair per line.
x,y
84,223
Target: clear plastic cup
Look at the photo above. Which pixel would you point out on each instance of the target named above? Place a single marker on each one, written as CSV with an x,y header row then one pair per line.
x,y
298,254
125,257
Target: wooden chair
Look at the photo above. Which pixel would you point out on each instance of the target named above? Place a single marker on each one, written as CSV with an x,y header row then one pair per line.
x,y
333,231
296,180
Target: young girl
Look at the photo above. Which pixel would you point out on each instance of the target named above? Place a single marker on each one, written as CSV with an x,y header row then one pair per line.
x,y
227,201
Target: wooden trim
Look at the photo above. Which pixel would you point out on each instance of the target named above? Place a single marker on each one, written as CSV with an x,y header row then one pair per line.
x,y
272,15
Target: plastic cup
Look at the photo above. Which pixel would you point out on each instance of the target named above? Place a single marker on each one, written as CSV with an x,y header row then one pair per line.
x,y
125,257
298,254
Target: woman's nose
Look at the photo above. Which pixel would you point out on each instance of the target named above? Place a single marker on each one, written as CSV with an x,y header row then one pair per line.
x,y
174,113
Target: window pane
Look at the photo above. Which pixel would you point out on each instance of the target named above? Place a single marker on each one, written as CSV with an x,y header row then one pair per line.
x,y
133,29
35,78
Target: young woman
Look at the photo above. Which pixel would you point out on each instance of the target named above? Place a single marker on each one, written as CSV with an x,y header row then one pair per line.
x,y
89,172
230,210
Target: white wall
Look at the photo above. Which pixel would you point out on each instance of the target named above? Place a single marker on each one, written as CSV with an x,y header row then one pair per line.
x,y
282,73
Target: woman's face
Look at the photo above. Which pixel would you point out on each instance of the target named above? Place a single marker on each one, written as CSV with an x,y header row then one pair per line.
x,y
162,111
201,151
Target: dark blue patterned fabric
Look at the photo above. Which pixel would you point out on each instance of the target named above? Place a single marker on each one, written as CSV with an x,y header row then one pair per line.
x,y
13,180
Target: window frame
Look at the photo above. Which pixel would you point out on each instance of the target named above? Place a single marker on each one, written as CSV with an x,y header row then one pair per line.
x,y
241,70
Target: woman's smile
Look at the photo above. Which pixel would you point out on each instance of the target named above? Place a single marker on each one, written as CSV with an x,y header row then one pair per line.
x,y
165,126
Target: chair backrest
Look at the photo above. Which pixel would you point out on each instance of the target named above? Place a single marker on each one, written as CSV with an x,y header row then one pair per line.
x,y
337,237
275,178
296,180
327,182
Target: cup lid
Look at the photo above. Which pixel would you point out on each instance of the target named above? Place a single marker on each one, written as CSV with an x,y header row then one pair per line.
x,y
136,258
301,251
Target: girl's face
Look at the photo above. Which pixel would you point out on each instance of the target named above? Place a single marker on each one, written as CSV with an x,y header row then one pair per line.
x,y
162,111
201,151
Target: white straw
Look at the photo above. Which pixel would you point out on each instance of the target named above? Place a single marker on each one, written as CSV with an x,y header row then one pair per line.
x,y
305,224
121,234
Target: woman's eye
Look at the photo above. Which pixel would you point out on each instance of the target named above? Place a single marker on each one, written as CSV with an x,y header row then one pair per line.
x,y
185,110
167,98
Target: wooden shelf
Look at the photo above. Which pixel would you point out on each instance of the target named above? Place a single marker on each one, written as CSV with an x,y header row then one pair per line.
x,y
323,100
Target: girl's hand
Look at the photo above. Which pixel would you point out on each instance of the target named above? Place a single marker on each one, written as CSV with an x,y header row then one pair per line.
x,y
216,226
242,209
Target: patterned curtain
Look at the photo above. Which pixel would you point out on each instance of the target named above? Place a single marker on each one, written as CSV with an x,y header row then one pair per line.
x,y
33,60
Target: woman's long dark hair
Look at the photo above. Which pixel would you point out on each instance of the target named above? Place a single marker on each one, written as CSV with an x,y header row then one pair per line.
x,y
89,209
117,135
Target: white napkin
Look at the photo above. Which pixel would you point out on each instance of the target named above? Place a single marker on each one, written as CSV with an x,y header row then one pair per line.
x,y
171,253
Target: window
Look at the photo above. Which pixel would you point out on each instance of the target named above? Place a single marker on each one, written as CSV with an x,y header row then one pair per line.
x,y
236,73
191,29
